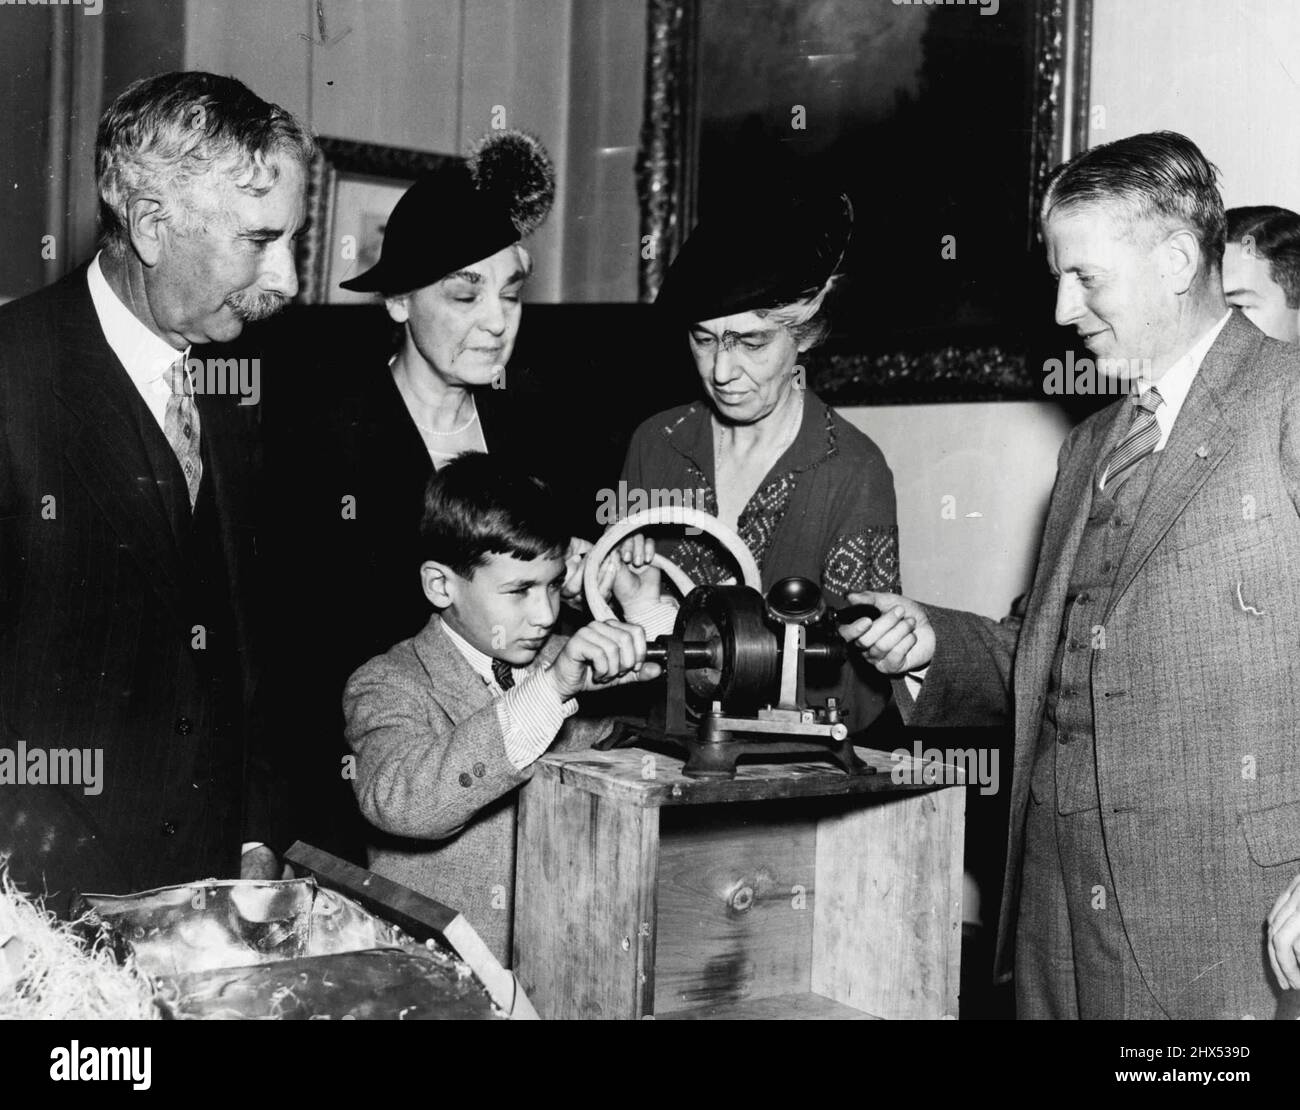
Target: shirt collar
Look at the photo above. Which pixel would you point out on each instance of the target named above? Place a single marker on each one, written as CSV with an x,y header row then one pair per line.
x,y
1175,382
145,356
691,435
480,661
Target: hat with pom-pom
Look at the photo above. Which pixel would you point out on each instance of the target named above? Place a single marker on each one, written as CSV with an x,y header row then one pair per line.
x,y
462,213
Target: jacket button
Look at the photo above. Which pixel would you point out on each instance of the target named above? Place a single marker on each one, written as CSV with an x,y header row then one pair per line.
x,y
465,780
168,828
1082,599
1063,737
184,726
480,770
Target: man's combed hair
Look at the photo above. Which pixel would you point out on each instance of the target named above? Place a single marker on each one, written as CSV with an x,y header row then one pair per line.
x,y
1274,234
163,132
1160,178
476,506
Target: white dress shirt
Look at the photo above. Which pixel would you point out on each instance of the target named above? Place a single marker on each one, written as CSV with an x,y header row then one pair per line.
x,y
1176,382
532,711
145,356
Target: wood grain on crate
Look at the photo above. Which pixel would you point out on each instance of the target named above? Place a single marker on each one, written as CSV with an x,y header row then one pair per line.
x,y
735,903
585,903
804,1006
887,931
651,779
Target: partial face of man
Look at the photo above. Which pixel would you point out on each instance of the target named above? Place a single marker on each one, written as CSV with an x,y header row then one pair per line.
x,y
746,364
507,607
1113,287
236,266
464,326
1248,285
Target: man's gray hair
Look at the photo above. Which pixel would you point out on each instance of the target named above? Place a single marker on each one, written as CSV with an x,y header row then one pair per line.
x,y
1160,178
164,132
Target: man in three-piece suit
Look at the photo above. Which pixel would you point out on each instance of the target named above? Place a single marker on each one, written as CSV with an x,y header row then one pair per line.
x,y
126,502
1154,845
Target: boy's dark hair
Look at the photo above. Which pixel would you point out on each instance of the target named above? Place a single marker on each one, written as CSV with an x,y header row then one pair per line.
x,y
1273,234
476,506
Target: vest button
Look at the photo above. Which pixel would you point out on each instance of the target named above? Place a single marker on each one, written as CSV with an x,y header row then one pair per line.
x,y
1116,522
1063,737
168,828
465,780
1073,645
1107,567
1082,599
184,726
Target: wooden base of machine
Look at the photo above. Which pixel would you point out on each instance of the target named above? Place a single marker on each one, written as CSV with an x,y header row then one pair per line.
x,y
789,891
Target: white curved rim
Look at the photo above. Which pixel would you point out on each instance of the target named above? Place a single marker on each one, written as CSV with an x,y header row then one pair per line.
x,y
664,514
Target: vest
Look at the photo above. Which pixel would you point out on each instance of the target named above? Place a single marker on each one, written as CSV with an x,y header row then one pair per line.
x,y
1066,749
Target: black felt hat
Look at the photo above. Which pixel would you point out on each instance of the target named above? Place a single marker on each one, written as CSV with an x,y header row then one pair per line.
x,y
462,213
763,253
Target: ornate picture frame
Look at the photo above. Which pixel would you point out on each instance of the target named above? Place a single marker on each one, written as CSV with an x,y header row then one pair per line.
x,y
351,188
941,368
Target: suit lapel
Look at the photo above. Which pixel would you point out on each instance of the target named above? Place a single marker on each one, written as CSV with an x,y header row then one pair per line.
x,y
461,692
105,448
1066,517
1200,439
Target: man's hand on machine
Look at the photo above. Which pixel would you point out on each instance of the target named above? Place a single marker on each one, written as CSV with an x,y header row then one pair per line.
x,y
899,641
603,653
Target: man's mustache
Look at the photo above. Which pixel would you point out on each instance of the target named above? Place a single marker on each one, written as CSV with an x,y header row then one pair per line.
x,y
255,306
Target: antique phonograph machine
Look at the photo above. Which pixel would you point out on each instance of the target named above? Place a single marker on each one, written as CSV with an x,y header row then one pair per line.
x,y
738,662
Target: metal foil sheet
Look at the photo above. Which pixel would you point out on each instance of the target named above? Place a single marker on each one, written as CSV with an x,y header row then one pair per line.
x,y
205,926
384,983
287,949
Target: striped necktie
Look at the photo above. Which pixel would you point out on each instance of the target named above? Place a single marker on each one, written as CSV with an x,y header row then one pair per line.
x,y
1139,441
502,672
181,427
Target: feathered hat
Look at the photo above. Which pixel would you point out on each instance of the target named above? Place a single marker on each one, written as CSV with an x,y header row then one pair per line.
x,y
462,213
768,250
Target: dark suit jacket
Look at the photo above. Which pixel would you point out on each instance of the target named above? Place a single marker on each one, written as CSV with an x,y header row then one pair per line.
x,y
346,474
1196,694
98,605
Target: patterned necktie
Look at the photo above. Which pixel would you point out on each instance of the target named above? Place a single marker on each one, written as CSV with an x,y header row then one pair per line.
x,y
503,674
1139,441
181,427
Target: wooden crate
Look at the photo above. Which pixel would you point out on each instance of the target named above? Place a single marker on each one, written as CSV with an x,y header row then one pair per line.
x,y
791,891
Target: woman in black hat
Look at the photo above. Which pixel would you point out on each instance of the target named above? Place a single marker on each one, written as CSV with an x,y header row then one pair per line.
x,y
451,272
809,494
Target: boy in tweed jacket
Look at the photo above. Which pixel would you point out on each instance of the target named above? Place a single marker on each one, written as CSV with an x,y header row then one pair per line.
x,y
448,724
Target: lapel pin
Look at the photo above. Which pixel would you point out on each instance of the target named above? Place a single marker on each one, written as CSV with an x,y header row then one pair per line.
x,y
1246,606
1202,451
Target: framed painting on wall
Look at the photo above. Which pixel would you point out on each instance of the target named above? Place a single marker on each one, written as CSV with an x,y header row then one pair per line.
x,y
941,123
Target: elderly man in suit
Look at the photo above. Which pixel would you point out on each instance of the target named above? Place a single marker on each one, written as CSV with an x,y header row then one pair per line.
x,y
1155,683
126,502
